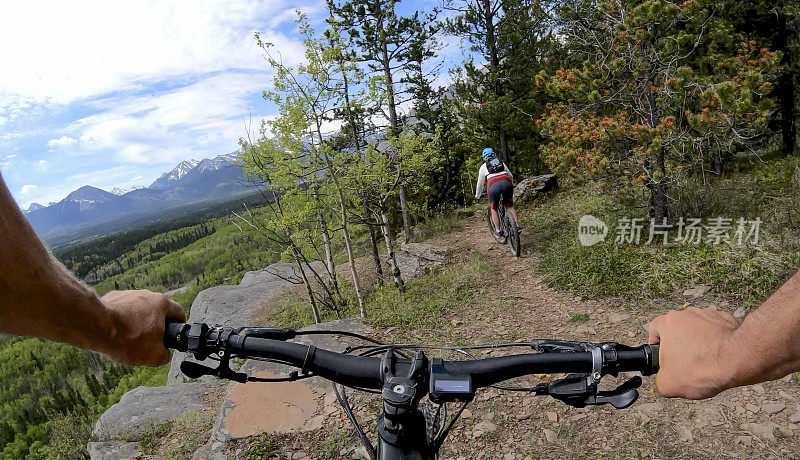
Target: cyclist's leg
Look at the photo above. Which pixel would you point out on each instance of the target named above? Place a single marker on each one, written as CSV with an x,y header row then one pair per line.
x,y
494,193
495,218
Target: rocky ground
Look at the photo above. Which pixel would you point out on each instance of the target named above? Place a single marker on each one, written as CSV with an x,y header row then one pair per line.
x,y
760,421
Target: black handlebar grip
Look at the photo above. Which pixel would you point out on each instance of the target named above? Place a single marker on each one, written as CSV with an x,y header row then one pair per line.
x,y
173,335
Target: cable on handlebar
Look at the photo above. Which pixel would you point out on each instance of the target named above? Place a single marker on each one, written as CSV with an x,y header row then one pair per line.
x,y
342,333
345,403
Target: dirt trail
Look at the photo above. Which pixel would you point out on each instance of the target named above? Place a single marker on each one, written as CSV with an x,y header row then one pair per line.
x,y
759,421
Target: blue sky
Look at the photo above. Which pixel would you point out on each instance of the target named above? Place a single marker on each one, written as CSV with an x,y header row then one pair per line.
x,y
114,93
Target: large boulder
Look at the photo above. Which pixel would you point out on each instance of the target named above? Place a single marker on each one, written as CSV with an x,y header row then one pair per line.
x,y
534,186
415,258
143,408
234,305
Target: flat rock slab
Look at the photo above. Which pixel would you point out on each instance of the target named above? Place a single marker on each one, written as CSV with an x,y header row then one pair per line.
x,y
270,407
256,407
415,258
114,450
235,305
145,407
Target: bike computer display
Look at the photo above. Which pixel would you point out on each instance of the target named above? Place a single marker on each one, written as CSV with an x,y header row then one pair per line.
x,y
446,387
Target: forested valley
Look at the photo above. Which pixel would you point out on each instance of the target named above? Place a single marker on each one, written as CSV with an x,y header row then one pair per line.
x,y
662,109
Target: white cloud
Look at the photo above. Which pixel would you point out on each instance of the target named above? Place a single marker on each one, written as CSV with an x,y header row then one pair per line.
x,y
63,141
28,189
81,50
202,119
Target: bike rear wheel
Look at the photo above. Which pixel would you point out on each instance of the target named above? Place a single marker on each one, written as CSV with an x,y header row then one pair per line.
x,y
512,234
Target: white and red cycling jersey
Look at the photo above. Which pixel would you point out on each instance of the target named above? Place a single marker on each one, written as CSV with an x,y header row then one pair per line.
x,y
488,179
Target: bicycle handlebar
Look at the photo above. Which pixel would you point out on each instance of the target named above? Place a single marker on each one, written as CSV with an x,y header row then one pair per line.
x,y
366,372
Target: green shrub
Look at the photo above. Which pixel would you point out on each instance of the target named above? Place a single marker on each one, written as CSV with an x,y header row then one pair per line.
x,y
748,273
579,318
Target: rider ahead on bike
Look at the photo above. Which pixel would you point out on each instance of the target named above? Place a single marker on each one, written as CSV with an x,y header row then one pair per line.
x,y
499,183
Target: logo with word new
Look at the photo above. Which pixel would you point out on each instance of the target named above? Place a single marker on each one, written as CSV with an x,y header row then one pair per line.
x,y
591,230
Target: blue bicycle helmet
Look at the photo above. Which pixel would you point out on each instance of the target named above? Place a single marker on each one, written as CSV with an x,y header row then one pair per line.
x,y
487,152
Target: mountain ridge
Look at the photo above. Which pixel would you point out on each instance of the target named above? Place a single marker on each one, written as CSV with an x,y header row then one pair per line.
x,y
209,180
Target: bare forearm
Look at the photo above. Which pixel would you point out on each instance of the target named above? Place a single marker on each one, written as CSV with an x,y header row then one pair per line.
x,y
766,345
38,296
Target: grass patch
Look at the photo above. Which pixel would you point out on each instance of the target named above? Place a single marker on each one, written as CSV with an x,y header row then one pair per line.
x,y
579,318
425,303
178,438
748,273
262,446
441,224
427,300
335,442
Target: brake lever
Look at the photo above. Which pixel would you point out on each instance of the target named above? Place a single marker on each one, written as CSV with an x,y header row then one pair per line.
x,y
575,390
195,370
622,396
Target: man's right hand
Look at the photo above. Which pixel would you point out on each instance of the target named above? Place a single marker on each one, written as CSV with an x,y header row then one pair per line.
x,y
696,355
139,317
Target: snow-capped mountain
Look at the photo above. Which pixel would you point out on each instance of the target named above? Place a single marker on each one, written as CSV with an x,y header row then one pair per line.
x,y
176,174
210,180
217,163
121,191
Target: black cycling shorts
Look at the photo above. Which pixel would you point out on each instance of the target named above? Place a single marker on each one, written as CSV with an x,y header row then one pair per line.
x,y
501,189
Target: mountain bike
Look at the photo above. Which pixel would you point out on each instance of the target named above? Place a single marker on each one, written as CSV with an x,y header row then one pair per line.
x,y
403,375
509,228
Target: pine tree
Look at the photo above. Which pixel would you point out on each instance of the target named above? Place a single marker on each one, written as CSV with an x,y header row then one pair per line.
x,y
636,106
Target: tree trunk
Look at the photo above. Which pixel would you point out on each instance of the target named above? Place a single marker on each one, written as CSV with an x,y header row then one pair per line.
x,y
387,237
408,233
330,265
716,163
504,145
394,124
658,207
348,244
786,100
387,73
373,240
307,283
